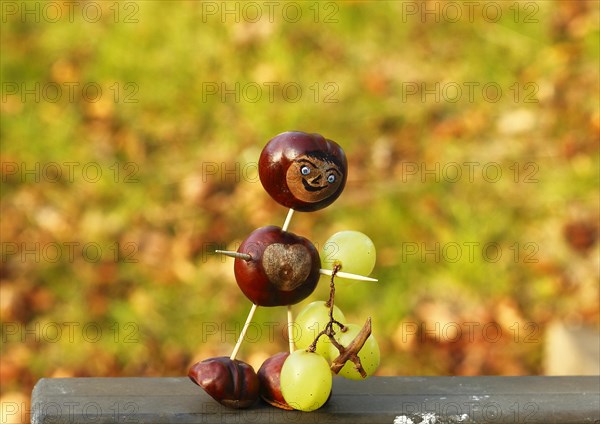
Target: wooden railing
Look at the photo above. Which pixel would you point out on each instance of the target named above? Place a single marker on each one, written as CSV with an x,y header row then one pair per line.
x,y
390,400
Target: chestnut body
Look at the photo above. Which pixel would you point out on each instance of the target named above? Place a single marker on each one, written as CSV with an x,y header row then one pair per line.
x,y
284,268
302,171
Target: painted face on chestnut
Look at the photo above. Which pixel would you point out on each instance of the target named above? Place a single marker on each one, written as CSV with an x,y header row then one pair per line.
x,y
302,171
313,177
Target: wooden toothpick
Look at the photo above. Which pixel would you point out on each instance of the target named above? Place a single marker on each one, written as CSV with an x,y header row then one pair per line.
x,y
231,254
288,218
348,275
243,333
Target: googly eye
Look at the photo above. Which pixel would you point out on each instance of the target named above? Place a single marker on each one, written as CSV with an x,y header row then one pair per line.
x,y
305,170
331,179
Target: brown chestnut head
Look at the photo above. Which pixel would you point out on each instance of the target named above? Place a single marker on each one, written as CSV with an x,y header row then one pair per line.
x,y
284,268
232,383
302,171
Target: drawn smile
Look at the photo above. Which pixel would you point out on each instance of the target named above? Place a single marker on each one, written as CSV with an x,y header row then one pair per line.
x,y
310,187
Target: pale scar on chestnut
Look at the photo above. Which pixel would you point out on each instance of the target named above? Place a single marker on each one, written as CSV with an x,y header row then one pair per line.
x,y
287,267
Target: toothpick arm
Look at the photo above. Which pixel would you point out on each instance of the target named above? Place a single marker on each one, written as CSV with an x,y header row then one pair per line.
x,y
347,275
237,255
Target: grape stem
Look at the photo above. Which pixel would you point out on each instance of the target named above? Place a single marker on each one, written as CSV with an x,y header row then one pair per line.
x,y
349,353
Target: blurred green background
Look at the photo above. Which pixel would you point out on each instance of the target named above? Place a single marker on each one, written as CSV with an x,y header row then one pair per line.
x,y
130,136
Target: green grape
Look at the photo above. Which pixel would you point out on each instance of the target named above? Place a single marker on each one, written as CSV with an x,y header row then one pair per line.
x,y
311,321
353,250
305,380
369,354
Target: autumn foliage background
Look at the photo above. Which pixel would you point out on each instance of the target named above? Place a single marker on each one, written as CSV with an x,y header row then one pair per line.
x,y
113,274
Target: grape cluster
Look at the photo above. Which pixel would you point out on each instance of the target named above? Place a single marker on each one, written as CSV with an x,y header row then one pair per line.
x,y
274,267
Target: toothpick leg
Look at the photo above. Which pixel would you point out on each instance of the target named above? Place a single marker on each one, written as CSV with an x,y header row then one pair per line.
x,y
290,320
243,333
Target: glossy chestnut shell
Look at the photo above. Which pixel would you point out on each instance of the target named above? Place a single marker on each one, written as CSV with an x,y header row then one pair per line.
x,y
284,268
268,376
302,171
232,383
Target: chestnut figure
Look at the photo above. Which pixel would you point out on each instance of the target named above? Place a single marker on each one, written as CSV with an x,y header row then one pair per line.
x,y
230,382
268,376
283,269
302,171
